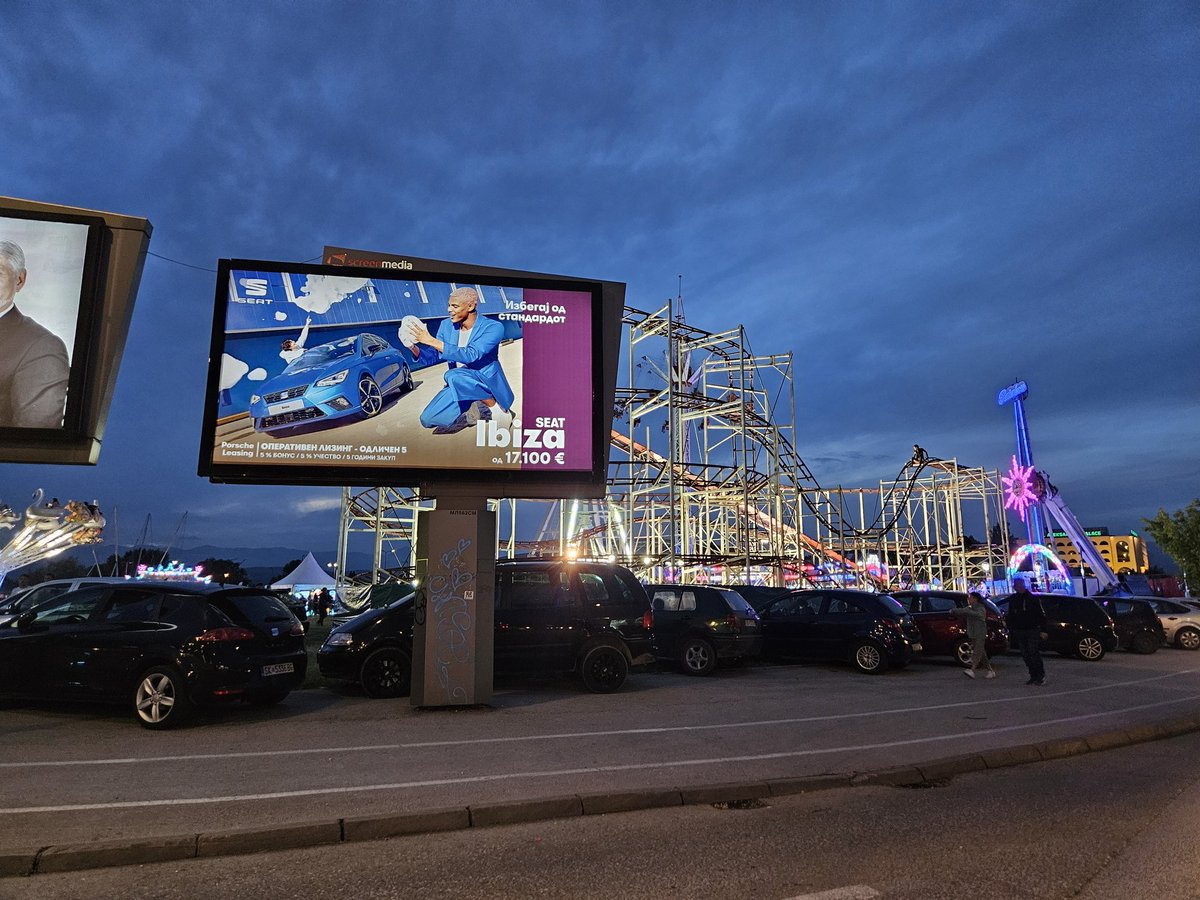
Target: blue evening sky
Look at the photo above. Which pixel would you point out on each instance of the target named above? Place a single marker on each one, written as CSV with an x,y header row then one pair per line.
x,y
923,201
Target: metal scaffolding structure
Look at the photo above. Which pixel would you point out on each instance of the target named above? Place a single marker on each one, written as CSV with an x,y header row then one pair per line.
x,y
705,484
931,526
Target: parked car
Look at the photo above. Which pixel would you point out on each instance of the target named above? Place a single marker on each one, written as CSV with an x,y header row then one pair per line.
x,y
346,379
1180,621
297,606
34,596
697,625
1137,624
945,634
159,648
871,631
593,619
1076,626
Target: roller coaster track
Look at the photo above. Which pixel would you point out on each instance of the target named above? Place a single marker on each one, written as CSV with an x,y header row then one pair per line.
x,y
643,454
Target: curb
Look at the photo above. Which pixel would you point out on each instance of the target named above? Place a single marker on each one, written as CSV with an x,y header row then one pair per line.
x,y
101,854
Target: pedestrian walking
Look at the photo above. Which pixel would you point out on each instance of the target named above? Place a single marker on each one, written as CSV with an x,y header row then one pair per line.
x,y
323,604
1026,624
974,615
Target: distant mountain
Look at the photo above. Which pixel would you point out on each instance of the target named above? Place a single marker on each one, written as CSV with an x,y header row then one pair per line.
x,y
251,559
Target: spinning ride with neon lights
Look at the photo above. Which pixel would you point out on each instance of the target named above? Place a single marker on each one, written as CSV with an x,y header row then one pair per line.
x,y
48,530
1030,494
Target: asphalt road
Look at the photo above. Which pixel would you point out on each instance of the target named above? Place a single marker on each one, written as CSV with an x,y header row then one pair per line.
x,y
77,775
1117,825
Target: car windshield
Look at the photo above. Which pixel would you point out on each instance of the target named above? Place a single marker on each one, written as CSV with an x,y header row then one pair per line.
x,y
325,353
737,602
258,609
890,605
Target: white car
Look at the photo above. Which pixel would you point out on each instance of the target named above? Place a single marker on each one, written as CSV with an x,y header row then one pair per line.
x,y
1180,621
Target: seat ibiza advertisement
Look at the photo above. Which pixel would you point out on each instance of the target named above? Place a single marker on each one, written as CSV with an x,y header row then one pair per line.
x,y
330,375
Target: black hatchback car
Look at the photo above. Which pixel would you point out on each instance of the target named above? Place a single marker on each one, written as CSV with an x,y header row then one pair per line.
x,y
697,625
871,631
593,619
1139,629
160,649
1075,626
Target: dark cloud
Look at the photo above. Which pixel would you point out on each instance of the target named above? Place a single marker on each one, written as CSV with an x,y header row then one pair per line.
x,y
921,202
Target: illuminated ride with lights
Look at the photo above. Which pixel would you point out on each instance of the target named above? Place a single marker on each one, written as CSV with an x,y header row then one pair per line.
x,y
1055,577
173,571
48,529
1030,494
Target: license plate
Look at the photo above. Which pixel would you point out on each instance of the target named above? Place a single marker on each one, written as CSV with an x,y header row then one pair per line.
x,y
279,669
287,406
917,648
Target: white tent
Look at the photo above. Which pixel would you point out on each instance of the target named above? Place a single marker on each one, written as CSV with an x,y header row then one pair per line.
x,y
308,574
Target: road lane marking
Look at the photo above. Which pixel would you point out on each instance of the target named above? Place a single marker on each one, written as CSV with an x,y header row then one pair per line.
x,y
557,773
850,892
576,735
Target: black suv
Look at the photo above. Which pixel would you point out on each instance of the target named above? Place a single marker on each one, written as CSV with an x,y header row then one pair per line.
x,y
551,616
695,626
1138,626
159,648
871,631
1075,626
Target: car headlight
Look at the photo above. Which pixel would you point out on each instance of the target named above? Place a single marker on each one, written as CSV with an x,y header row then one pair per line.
x,y
339,639
254,398
336,378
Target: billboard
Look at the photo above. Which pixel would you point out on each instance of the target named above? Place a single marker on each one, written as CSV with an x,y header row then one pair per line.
x,y
67,281
341,375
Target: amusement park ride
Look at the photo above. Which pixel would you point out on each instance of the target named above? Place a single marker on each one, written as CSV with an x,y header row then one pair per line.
x,y
48,529
1030,495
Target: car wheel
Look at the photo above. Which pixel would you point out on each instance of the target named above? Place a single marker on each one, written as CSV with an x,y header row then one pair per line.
x,y
386,673
962,652
408,379
1188,639
869,658
369,397
267,698
603,669
697,657
160,699
1143,642
1089,647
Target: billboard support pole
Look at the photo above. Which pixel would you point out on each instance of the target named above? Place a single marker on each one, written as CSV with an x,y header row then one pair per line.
x,y
454,609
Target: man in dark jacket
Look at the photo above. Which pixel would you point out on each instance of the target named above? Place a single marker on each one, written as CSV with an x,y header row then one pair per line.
x,y
33,360
1026,624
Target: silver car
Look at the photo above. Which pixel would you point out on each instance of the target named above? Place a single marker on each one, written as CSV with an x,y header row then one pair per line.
x,y
1180,621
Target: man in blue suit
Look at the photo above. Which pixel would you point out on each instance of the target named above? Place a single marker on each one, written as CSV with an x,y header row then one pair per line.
x,y
475,381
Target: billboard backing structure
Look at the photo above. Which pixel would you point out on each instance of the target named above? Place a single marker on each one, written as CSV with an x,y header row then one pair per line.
x,y
68,279
442,379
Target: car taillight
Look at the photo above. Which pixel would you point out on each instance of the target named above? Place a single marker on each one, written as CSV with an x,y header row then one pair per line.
x,y
215,635
893,625
648,620
297,630
733,623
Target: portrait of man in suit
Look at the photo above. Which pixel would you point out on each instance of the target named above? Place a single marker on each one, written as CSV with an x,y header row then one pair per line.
x,y
475,385
34,366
